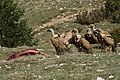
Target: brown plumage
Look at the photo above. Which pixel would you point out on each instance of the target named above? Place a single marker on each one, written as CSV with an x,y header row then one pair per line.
x,y
59,42
61,35
60,47
103,33
108,41
68,36
89,35
85,45
81,43
105,41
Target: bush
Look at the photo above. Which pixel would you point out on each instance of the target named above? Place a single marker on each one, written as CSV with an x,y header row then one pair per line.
x,y
112,10
116,34
90,16
13,31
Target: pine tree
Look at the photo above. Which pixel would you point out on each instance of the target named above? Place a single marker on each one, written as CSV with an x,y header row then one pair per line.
x,y
13,31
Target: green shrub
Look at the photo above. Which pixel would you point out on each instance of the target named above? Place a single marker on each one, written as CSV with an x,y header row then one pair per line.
x,y
13,31
116,34
112,10
90,16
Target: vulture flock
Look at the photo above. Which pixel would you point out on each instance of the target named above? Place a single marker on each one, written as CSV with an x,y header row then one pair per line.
x,y
63,41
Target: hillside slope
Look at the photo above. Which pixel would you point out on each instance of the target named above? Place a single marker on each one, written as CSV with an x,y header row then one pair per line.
x,y
60,15
38,12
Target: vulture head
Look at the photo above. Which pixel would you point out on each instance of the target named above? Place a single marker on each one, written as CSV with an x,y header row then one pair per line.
x,y
92,27
88,32
53,33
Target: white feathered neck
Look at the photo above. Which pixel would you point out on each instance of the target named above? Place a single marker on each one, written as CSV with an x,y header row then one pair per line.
x,y
53,33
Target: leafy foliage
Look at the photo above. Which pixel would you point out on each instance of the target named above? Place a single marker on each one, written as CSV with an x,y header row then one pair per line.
x,y
90,16
116,34
13,30
112,10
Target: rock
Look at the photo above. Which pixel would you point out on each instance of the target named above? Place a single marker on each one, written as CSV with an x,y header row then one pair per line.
x,y
99,78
